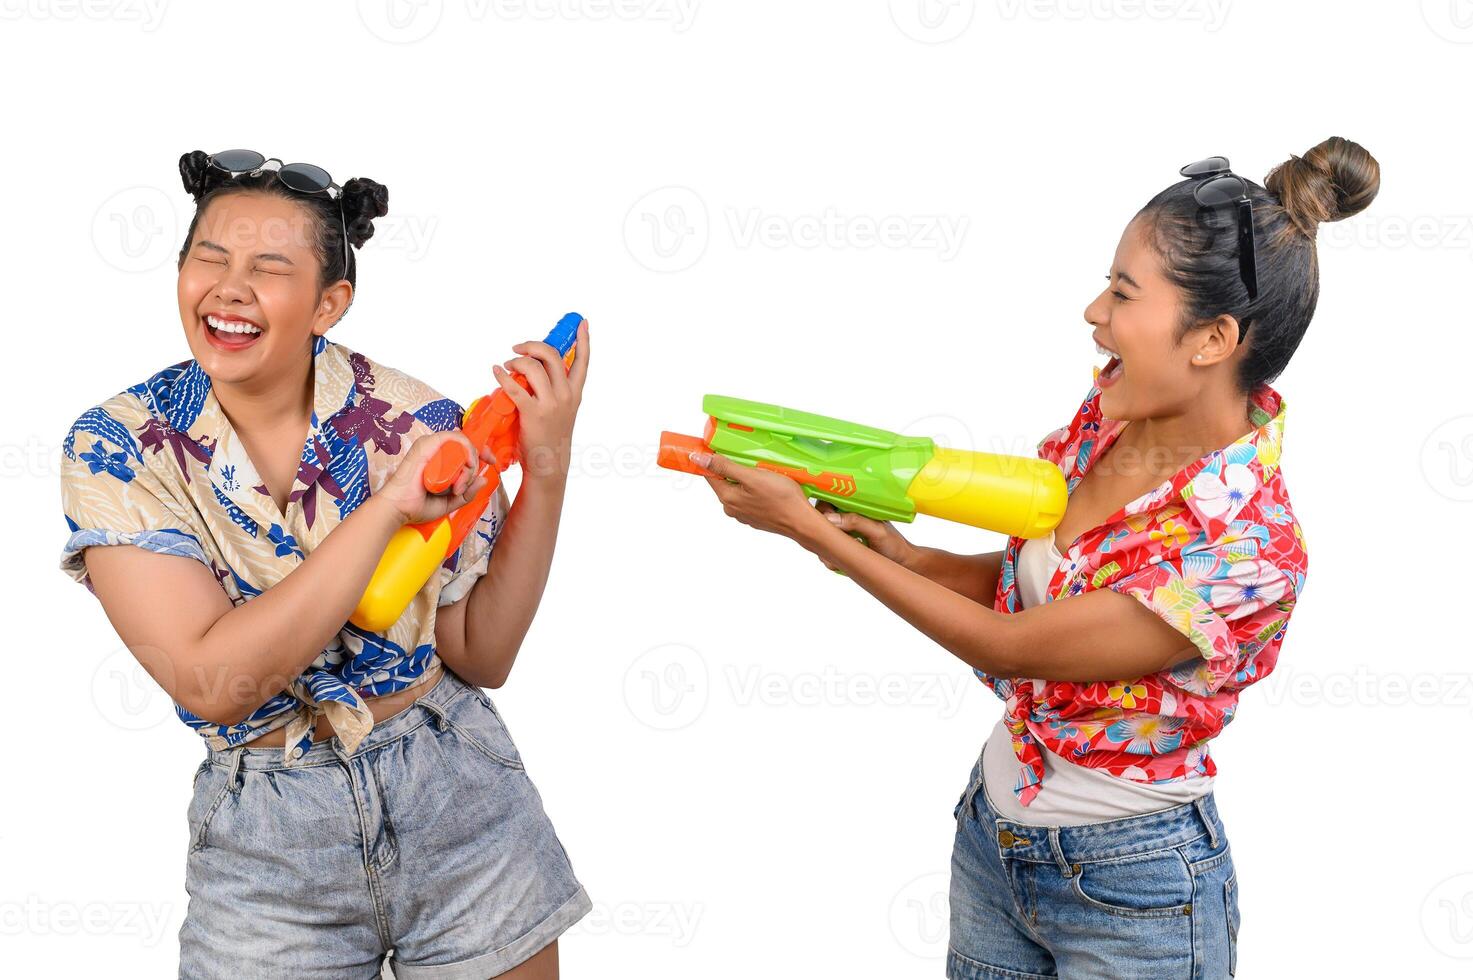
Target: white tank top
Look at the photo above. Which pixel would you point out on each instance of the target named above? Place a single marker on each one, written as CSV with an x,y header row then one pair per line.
x,y
1070,793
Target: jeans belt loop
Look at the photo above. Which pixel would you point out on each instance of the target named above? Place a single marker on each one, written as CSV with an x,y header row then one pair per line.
x,y
1058,850
441,721
1201,804
969,804
235,779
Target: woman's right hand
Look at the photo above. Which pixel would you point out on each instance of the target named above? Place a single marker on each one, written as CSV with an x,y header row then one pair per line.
x,y
881,536
405,489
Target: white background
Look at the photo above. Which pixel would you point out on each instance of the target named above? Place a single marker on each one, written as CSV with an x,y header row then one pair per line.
x,y
752,763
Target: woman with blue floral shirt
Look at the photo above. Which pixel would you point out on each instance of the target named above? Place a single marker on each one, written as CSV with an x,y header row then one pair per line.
x,y
359,793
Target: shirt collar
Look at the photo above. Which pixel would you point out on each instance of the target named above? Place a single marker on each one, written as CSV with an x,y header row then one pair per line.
x,y
1215,488
231,471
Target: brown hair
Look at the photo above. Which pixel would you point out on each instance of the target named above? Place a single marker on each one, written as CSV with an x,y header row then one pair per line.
x,y
1333,180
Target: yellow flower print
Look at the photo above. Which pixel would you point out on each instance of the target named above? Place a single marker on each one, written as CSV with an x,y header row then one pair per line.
x,y
1171,534
1126,694
1145,518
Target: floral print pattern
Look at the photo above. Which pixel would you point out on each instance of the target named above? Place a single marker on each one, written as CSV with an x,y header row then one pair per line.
x,y
158,466
1216,552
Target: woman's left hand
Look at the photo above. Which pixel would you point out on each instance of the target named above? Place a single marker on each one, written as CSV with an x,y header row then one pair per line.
x,y
545,415
759,498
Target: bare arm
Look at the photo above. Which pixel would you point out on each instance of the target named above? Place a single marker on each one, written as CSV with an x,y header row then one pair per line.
x,y
222,662
219,661
1097,636
974,576
480,635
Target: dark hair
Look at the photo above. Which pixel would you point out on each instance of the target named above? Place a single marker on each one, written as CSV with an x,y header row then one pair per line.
x,y
1198,248
362,201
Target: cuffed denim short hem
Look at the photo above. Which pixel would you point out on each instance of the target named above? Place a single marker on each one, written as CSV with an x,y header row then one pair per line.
x,y
427,846
500,960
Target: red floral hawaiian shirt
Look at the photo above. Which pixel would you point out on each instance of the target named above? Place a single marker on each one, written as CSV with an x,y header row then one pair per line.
x,y
1216,552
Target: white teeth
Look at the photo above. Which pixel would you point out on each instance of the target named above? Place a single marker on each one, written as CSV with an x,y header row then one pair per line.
x,y
231,326
1101,348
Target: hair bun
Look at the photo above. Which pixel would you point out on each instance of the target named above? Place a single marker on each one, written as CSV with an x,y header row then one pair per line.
x,y
1333,180
363,200
194,168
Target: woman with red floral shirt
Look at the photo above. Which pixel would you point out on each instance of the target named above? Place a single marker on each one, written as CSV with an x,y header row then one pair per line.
x,y
1088,840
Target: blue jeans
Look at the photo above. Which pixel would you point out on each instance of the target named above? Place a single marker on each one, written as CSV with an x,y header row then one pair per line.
x,y
428,839
1147,896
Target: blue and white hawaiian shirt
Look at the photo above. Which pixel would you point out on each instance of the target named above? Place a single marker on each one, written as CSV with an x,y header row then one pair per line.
x,y
159,466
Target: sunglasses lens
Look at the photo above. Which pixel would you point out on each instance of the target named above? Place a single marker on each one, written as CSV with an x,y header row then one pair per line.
x,y
1207,167
304,177
1220,190
237,161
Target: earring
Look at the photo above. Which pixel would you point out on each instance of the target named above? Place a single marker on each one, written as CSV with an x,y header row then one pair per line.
x,y
1197,358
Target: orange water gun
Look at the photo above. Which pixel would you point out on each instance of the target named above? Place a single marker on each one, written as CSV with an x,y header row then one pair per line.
x,y
416,550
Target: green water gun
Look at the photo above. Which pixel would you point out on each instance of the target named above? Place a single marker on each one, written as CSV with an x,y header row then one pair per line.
x,y
881,475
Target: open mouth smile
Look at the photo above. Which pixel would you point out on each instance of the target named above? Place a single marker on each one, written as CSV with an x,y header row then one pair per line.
x,y
230,333
1113,369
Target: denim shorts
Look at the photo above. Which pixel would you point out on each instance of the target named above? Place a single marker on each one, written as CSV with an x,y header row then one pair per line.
x,y
428,841
1149,896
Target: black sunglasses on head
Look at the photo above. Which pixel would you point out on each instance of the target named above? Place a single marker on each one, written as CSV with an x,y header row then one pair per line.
x,y
1219,187
303,178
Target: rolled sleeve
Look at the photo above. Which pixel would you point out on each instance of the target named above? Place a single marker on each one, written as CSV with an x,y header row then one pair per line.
x,y
109,497
1222,601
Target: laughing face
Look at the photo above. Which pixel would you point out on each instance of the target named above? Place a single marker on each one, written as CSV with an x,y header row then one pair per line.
x,y
1147,374
250,294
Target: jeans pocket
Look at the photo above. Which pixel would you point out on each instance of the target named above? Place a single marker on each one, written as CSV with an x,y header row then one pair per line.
x,y
1230,902
479,724
200,825
1141,886
203,768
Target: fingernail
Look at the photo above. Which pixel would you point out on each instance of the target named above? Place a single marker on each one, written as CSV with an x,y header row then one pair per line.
x,y
700,459
834,518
